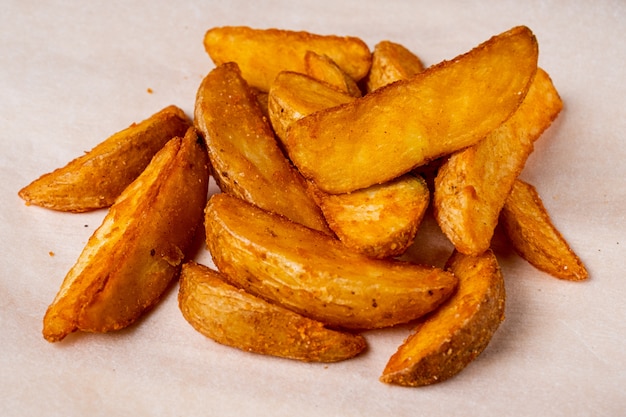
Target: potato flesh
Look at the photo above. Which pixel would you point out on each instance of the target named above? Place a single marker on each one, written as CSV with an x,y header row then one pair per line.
x,y
391,62
314,274
322,68
133,256
472,186
246,159
263,53
443,109
94,180
532,234
380,221
293,96
458,331
232,317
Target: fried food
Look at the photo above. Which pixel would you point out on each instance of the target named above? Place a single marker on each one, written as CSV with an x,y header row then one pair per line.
x,y
135,254
391,62
445,108
323,68
458,331
533,235
263,53
232,317
379,221
314,274
326,155
294,95
472,186
246,159
95,179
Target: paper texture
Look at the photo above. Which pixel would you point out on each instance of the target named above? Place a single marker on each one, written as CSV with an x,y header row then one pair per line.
x,y
73,74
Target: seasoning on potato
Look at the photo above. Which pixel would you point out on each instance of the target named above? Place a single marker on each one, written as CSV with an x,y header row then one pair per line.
x,y
95,179
138,250
314,274
233,317
454,335
326,156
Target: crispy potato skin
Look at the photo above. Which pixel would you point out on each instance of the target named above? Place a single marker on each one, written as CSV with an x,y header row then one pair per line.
x,y
95,179
251,48
472,186
532,234
391,62
246,158
232,317
380,221
314,274
443,109
133,256
458,331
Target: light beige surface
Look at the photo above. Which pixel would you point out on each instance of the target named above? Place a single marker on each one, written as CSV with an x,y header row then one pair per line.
x,y
72,75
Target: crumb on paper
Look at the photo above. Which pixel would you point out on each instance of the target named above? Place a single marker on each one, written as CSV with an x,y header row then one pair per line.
x,y
51,253
149,90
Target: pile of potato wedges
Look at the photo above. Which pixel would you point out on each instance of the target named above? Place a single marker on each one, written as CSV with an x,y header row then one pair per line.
x,y
328,156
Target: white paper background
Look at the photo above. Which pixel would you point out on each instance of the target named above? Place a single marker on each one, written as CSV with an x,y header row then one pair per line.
x,y
72,73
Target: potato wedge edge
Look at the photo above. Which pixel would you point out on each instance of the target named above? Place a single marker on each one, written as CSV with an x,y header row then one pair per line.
x,y
456,333
314,274
444,108
232,317
133,256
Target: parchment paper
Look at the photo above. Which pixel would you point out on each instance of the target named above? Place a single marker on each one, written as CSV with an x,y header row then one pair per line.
x,y
73,73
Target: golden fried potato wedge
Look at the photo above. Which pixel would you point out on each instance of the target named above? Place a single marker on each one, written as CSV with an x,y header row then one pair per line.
x,y
443,109
232,317
246,158
458,331
472,186
322,68
314,274
95,179
294,95
133,256
532,234
379,221
263,53
391,62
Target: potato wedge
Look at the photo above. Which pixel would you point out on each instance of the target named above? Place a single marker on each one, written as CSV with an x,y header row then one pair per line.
x,y
314,274
246,158
322,68
95,179
458,331
294,95
232,317
133,256
263,53
391,62
472,186
528,225
443,109
379,221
